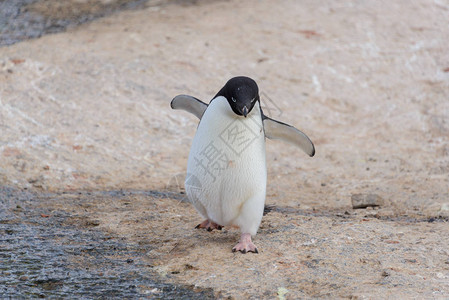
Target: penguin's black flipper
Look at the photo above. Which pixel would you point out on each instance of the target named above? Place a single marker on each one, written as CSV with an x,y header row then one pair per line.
x,y
189,104
276,130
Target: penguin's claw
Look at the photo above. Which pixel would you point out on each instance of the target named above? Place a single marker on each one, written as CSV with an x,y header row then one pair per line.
x,y
209,225
245,248
245,245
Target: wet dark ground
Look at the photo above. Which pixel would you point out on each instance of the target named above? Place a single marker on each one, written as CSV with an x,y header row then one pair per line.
x,y
25,19
46,254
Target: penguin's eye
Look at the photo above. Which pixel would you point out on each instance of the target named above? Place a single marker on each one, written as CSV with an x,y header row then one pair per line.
x,y
233,99
253,99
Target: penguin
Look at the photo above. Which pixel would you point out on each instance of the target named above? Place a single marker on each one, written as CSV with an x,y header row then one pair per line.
x,y
226,170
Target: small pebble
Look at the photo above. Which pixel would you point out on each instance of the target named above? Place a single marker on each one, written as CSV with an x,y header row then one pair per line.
x,y
445,207
366,200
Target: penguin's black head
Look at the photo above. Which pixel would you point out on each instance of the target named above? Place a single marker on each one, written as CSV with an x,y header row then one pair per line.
x,y
242,94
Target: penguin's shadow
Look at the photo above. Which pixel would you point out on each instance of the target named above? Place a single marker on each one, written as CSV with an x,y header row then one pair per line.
x,y
223,239
217,236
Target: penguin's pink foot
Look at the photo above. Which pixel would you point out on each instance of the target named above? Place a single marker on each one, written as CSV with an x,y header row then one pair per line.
x,y
245,244
209,225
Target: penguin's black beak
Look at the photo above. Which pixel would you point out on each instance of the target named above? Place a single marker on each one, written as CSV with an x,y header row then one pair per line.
x,y
245,111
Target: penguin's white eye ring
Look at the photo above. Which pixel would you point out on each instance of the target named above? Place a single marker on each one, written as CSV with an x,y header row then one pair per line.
x,y
253,99
233,99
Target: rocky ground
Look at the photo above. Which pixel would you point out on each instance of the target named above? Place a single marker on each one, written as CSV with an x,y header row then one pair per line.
x,y
87,130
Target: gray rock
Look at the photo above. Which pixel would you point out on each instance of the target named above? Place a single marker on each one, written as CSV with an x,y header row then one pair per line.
x,y
366,200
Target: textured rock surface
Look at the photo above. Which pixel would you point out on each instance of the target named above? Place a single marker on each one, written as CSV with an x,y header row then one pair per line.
x,y
366,200
88,109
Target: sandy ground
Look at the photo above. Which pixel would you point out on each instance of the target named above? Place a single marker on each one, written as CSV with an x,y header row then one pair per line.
x,y
88,110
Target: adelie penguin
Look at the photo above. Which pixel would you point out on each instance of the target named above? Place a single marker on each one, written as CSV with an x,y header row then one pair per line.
x,y
226,170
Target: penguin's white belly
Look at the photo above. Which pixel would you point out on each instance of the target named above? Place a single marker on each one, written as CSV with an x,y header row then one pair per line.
x,y
226,170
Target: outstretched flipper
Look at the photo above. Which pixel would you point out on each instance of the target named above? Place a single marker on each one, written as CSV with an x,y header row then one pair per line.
x,y
276,130
189,104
